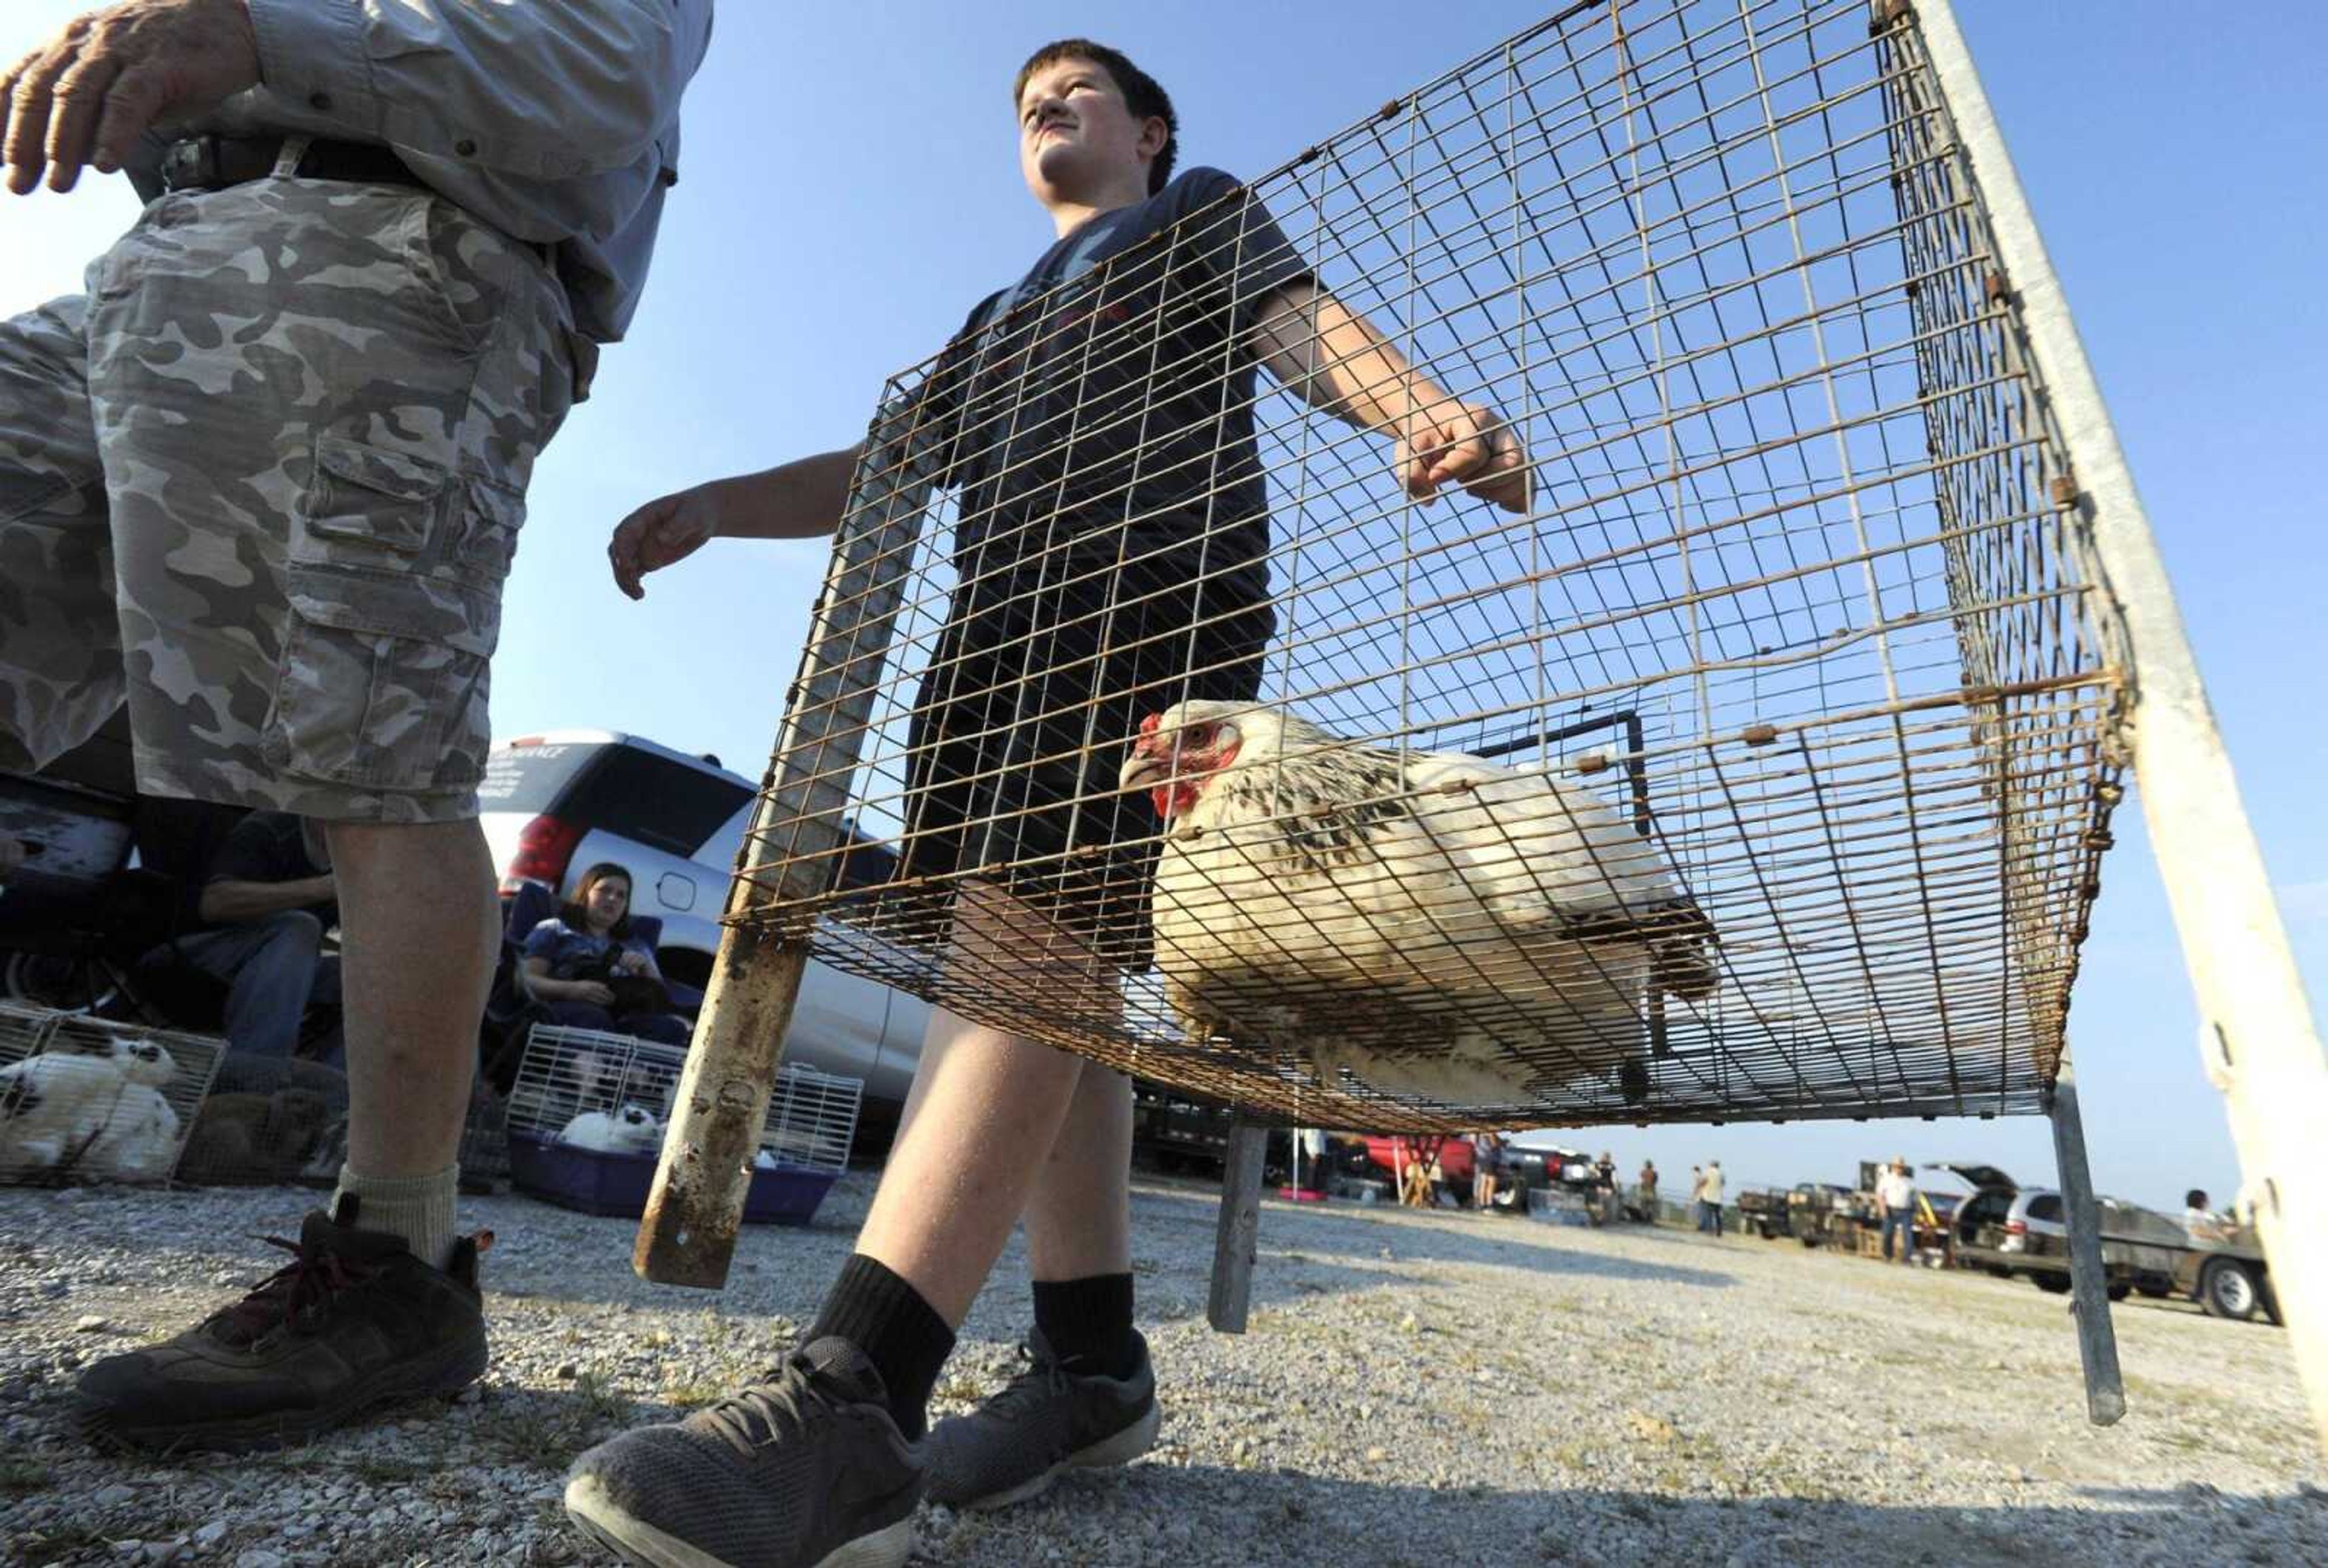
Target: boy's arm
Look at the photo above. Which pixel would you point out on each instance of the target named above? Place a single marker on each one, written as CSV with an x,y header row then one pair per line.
x,y
798,499
1336,362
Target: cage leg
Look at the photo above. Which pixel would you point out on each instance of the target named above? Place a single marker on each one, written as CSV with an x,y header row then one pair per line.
x,y
1237,1237
687,1235
2089,1286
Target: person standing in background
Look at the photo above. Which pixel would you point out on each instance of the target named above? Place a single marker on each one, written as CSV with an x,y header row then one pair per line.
x,y
1895,1201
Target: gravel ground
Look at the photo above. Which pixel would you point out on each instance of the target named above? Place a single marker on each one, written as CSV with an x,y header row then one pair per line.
x,y
1416,1388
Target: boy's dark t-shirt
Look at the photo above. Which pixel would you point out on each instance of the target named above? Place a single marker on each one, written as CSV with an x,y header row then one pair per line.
x,y
1102,409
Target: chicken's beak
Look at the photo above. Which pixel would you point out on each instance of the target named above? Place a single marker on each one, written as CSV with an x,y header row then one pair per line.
x,y
1142,765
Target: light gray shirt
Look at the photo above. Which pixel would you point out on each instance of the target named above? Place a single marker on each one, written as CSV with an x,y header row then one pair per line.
x,y
556,122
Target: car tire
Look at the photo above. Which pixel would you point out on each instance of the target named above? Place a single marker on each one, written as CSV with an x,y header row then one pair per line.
x,y
62,984
2121,1290
2227,1290
2155,1293
2051,1284
1999,1270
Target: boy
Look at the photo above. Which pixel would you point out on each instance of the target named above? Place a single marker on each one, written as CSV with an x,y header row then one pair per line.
x,y
1095,423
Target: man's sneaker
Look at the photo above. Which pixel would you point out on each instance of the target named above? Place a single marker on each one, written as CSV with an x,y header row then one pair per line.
x,y
805,1470
1049,1419
354,1321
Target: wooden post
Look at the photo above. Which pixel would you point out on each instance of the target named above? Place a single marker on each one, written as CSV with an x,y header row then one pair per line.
x,y
792,852
1237,1238
2089,1284
2261,1046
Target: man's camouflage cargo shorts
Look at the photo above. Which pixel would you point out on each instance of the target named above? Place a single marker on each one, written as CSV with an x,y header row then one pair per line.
x,y
264,482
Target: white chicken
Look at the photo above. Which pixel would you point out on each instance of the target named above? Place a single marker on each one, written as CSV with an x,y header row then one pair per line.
x,y
1436,925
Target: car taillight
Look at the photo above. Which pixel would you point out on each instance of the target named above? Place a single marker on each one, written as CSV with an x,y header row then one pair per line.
x,y
544,846
2014,1227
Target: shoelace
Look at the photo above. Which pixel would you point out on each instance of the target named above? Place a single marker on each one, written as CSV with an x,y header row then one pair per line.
x,y
759,1416
1043,1377
311,1278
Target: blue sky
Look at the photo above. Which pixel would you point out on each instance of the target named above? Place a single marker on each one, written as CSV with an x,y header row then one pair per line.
x,y
850,187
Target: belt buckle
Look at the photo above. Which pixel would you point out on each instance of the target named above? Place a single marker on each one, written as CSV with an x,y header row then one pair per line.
x,y
192,164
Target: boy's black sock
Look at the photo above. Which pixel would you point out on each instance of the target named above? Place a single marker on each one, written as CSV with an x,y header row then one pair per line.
x,y
900,1333
1088,1322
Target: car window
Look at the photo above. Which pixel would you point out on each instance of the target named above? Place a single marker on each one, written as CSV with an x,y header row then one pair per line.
x,y
652,800
726,840
2047,1208
528,778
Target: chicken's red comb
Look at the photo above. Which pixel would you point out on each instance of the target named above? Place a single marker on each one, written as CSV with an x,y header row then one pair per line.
x,y
1147,725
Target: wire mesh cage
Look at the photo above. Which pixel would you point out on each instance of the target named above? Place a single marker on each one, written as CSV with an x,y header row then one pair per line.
x,y
586,1113
1759,766
87,1100
269,1120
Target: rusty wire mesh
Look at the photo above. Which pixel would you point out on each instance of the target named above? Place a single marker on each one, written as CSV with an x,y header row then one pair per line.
x,y
1797,601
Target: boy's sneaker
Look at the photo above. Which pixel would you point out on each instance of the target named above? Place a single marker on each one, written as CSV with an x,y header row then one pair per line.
x,y
354,1321
1049,1419
805,1470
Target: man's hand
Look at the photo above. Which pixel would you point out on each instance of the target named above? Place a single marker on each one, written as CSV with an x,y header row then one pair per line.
x,y
659,533
597,993
1468,445
103,79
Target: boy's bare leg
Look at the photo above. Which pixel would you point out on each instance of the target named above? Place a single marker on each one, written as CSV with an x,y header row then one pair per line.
x,y
982,1131
984,1107
1079,1215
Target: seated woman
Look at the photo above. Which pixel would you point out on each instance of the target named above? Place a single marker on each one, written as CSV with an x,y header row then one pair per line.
x,y
578,964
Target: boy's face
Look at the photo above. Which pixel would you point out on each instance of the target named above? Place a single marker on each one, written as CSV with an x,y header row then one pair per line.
x,y
1077,136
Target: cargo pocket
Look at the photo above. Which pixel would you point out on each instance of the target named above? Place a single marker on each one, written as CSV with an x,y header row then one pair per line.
x,y
393,583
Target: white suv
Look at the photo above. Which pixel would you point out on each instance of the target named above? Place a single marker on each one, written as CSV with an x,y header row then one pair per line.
x,y
553,805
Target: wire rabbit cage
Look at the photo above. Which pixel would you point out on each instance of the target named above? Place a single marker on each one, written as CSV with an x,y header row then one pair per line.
x,y
587,1111
1758,762
86,1100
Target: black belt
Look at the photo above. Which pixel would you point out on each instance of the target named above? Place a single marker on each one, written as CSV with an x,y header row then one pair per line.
x,y
212,163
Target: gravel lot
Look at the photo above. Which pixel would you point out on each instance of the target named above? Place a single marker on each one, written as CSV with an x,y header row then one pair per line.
x,y
1424,1389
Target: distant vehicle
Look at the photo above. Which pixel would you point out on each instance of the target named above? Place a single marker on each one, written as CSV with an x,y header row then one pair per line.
x,y
2144,1252
1810,1209
1529,1169
1992,1196
1765,1212
1386,1156
554,804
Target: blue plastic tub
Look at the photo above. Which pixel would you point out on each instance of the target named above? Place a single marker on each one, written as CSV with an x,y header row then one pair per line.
x,y
596,1182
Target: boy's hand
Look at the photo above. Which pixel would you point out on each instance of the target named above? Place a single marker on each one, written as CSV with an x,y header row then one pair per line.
x,y
87,95
659,533
1468,445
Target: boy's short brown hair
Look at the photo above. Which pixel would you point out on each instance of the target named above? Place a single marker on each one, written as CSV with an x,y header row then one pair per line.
x,y
1141,94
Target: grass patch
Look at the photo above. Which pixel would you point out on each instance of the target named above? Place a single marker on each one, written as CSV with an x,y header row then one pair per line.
x,y
693,1395
547,1430
58,1543
21,1478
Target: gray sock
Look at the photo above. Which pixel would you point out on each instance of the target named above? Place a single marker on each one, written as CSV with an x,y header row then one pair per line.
x,y
419,1208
